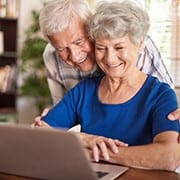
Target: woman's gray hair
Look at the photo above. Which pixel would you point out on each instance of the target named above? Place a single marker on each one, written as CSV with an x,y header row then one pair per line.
x,y
57,15
117,19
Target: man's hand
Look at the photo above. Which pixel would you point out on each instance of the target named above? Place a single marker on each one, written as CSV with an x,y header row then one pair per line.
x,y
38,120
174,115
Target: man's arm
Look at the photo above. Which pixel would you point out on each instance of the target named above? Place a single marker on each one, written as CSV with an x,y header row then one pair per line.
x,y
56,89
55,86
151,62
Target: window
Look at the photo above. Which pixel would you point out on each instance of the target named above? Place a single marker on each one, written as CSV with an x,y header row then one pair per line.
x,y
165,26
175,30
160,29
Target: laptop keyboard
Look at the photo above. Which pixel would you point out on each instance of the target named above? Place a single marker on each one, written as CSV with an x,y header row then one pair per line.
x,y
101,174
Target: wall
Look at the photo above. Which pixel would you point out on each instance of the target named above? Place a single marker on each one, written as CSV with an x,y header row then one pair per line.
x,y
25,17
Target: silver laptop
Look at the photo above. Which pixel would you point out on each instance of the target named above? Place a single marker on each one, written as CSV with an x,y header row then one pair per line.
x,y
48,154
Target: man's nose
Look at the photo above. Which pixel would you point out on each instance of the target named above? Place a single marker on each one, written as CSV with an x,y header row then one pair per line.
x,y
74,54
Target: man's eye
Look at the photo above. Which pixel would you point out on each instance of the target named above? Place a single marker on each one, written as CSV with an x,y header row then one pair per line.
x,y
79,42
100,48
60,50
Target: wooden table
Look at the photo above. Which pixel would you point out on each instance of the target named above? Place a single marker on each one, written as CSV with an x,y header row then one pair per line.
x,y
138,174
131,174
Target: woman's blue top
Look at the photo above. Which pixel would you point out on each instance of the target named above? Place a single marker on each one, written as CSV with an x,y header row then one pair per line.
x,y
135,122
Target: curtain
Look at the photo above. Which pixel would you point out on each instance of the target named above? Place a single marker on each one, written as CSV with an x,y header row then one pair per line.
x,y
175,30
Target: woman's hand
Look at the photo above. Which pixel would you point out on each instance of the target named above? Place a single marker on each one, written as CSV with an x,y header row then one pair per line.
x,y
38,120
99,145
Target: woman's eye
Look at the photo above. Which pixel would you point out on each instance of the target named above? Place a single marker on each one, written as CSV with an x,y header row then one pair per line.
x,y
119,48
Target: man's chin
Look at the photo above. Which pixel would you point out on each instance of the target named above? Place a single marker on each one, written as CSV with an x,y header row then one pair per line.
x,y
86,67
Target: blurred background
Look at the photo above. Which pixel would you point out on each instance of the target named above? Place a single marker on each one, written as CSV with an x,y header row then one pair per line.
x,y
23,87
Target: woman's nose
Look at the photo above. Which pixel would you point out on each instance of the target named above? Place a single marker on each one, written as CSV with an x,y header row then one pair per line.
x,y
110,57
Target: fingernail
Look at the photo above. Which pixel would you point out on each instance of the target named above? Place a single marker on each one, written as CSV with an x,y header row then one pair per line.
x,y
40,123
96,159
107,158
44,113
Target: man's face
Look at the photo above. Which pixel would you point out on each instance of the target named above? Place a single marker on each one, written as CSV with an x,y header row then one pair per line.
x,y
73,46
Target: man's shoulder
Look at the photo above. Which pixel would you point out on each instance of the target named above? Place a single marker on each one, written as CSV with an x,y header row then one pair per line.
x,y
49,48
151,46
51,57
48,53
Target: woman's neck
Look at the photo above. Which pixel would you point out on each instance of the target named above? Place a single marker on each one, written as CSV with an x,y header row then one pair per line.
x,y
119,90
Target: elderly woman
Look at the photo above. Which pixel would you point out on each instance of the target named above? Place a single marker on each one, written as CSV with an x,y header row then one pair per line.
x,y
124,105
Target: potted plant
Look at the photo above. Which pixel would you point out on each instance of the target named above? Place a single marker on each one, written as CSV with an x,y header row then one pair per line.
x,y
32,66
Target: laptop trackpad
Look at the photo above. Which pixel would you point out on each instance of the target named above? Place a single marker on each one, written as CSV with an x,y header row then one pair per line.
x,y
101,174
108,171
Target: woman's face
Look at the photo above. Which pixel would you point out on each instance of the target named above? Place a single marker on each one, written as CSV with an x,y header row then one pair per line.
x,y
116,57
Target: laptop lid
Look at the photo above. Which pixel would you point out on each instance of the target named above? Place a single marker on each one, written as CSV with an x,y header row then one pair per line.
x,y
46,154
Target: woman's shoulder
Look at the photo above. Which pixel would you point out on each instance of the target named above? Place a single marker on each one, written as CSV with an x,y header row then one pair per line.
x,y
156,85
157,82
